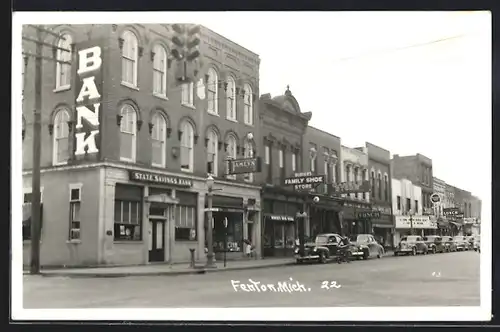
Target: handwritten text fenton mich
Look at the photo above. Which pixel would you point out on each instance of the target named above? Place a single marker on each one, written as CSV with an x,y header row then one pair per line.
x,y
280,287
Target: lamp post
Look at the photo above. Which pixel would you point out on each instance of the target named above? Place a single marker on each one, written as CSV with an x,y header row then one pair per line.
x,y
411,221
210,254
225,240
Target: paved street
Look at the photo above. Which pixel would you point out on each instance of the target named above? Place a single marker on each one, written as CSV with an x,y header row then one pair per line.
x,y
450,279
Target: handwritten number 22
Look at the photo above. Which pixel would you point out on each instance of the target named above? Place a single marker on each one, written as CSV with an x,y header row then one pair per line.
x,y
329,284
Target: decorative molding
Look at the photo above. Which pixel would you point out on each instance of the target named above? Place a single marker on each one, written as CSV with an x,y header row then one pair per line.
x,y
206,142
196,139
51,129
151,125
225,147
120,43
152,56
70,125
219,145
237,149
169,63
23,133
179,134
140,50
169,132
114,27
139,125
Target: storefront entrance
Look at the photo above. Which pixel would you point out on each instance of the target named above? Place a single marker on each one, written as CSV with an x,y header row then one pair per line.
x,y
156,240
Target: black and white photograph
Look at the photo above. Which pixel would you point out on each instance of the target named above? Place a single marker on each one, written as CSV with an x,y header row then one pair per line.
x,y
267,166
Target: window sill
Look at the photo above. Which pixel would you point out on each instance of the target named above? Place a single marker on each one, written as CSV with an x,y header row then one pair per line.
x,y
59,164
249,124
62,88
127,160
232,120
213,113
128,242
158,165
130,86
187,170
186,241
189,106
74,241
160,96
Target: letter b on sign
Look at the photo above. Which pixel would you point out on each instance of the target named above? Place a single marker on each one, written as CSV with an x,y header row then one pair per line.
x,y
89,60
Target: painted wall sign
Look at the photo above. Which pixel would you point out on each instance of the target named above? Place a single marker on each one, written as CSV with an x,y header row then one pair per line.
x,y
435,198
88,101
305,181
382,209
417,222
160,179
242,166
351,187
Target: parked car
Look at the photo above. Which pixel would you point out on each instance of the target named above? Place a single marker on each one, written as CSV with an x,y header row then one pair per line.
x,y
477,243
434,243
411,245
461,242
365,246
450,245
323,249
470,241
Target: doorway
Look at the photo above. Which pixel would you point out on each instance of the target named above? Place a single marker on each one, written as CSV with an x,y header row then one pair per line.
x,y
156,241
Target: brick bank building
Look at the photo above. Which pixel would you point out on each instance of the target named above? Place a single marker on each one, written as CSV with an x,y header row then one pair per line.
x,y
124,175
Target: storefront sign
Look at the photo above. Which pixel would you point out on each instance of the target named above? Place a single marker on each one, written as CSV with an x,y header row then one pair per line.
x,y
351,187
422,222
450,211
160,179
368,215
244,166
88,100
280,218
382,209
305,181
428,211
435,198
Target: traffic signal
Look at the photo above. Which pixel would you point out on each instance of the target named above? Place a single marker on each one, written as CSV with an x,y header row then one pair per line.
x,y
186,41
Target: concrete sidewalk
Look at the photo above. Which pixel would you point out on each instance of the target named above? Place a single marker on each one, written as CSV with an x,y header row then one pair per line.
x,y
165,269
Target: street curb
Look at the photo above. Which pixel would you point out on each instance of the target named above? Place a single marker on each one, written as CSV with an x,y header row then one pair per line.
x,y
159,273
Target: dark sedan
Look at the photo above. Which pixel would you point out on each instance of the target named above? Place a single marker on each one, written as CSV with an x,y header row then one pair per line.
x,y
435,243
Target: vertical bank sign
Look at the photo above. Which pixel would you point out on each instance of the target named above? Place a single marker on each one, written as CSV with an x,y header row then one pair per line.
x,y
88,99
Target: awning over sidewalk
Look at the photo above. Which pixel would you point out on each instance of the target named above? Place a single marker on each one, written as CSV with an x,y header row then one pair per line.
x,y
382,226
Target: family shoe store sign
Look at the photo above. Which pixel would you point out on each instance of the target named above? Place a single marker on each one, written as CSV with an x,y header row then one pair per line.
x,y
423,222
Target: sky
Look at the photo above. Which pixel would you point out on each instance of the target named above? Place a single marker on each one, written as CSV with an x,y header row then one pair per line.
x,y
410,82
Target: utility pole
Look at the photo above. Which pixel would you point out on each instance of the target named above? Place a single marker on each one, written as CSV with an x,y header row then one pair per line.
x,y
37,127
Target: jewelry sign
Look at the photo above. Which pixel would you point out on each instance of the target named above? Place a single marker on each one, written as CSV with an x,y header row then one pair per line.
x,y
305,181
88,100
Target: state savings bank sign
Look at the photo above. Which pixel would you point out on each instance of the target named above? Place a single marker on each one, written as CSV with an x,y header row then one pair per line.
x,y
88,100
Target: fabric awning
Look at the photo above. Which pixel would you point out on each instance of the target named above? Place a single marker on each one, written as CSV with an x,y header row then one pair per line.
x,y
382,226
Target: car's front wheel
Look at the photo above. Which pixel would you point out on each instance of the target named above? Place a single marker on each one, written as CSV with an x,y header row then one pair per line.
x,y
414,251
322,258
366,255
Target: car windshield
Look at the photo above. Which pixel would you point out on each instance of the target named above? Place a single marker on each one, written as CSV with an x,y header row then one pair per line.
x,y
458,238
321,239
409,239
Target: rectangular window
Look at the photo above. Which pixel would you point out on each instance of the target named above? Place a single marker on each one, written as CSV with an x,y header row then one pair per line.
x,y
128,220
294,162
373,185
398,199
408,205
188,94
185,223
416,206
75,192
267,158
327,176
386,188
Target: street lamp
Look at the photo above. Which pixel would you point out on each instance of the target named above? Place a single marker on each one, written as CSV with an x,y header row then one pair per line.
x,y
210,255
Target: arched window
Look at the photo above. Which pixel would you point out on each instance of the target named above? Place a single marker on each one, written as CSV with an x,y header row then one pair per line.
x,y
248,154
379,184
187,97
159,139
212,155
61,135
187,145
160,71
231,151
129,58
248,104
63,70
128,133
372,182
213,95
386,187
365,174
312,155
231,99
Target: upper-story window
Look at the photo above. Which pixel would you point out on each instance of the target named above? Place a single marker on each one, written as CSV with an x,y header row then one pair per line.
x,y
248,154
213,92
365,173
398,200
313,154
61,135
129,58
248,102
281,158
348,173
159,139
160,71
231,152
63,70
379,185
187,147
294,162
386,187
212,153
231,99
128,133
267,154
372,182
327,174
356,174
187,97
